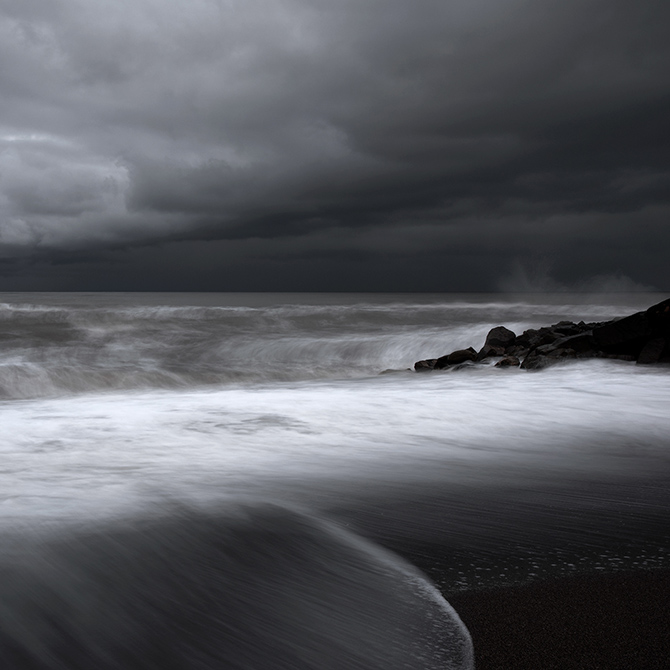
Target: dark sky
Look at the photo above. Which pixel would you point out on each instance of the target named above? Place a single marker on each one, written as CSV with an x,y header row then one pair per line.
x,y
402,145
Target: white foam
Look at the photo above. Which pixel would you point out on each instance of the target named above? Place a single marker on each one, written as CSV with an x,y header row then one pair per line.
x,y
74,455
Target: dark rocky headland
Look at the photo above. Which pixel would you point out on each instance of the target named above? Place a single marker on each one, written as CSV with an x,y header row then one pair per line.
x,y
643,337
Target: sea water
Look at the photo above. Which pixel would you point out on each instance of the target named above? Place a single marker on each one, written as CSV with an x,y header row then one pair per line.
x,y
132,416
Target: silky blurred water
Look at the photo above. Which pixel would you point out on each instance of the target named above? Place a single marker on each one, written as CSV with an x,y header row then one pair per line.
x,y
111,401
168,463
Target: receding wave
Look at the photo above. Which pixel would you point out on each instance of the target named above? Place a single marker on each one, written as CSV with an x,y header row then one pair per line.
x,y
258,587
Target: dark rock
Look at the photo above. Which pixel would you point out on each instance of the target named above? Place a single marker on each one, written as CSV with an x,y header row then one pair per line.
x,y
500,337
535,361
488,350
455,357
632,334
517,350
467,365
566,328
441,363
659,315
623,336
652,351
616,357
425,366
544,356
547,336
563,352
643,336
582,343
508,362
530,339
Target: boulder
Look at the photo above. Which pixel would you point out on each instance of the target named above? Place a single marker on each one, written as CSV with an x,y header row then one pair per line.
x,y
652,351
535,361
455,357
425,366
517,350
488,350
548,336
659,315
508,362
623,336
567,328
532,338
466,365
616,357
500,337
581,343
633,334
544,356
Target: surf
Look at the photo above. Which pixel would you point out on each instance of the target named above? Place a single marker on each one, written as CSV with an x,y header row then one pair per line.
x,y
251,585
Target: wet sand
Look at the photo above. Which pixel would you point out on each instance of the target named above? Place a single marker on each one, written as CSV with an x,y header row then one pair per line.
x,y
597,622
551,572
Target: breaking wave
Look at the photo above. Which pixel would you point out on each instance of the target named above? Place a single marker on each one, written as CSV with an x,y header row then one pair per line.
x,y
87,345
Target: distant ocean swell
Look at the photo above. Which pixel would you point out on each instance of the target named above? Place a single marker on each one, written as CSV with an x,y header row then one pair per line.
x,y
52,350
254,586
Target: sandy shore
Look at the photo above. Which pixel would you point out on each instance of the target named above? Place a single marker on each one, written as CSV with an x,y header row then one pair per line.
x,y
599,622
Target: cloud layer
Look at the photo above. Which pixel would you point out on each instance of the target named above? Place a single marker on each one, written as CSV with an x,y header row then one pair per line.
x,y
315,145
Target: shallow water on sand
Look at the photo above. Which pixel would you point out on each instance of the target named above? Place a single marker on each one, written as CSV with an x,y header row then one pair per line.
x,y
114,406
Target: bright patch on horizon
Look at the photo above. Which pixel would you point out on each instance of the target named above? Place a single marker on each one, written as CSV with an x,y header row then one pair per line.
x,y
35,137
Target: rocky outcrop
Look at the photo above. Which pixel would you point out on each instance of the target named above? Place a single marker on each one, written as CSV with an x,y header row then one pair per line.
x,y
455,357
643,337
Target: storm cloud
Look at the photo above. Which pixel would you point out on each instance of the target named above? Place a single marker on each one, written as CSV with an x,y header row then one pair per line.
x,y
323,145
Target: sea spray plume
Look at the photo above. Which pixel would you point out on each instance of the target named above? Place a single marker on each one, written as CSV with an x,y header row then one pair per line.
x,y
257,586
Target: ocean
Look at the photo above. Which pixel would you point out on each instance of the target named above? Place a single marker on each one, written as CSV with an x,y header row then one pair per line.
x,y
262,481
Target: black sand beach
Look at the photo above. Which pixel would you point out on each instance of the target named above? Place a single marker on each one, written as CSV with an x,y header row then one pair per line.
x,y
537,502
588,620
570,576
616,621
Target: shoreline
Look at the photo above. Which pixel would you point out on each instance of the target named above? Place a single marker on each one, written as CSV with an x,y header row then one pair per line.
x,y
612,621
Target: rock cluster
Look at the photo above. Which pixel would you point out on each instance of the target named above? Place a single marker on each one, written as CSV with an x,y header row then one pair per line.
x,y
643,337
